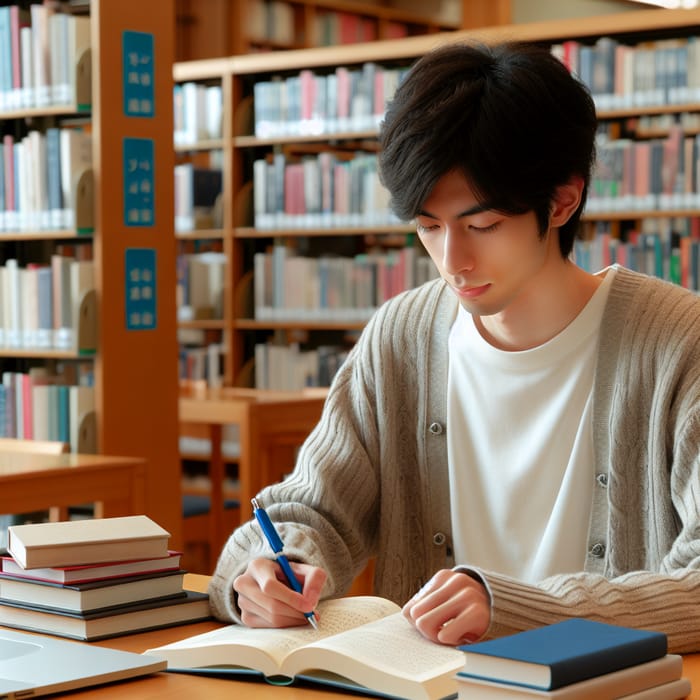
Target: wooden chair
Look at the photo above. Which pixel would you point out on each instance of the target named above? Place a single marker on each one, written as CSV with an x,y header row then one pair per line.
x,y
272,427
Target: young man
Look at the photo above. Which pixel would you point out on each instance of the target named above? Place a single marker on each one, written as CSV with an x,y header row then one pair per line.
x,y
518,442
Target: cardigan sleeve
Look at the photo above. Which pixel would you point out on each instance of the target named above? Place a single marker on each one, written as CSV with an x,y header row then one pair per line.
x,y
326,510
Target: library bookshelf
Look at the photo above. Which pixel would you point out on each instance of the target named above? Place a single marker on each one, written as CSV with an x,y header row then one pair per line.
x,y
239,328
227,27
130,350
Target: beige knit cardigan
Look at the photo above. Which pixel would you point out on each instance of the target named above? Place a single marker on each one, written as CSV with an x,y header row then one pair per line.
x,y
371,480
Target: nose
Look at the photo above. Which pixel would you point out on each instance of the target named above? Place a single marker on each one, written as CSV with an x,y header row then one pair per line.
x,y
457,254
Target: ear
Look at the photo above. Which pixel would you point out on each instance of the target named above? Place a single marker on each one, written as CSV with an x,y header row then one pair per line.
x,y
566,200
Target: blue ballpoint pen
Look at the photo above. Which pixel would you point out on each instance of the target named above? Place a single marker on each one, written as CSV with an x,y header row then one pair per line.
x,y
277,546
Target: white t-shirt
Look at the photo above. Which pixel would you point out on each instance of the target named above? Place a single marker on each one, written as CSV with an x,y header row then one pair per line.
x,y
520,447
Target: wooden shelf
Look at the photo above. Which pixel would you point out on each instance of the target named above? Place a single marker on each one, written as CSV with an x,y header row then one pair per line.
x,y
134,370
224,27
238,73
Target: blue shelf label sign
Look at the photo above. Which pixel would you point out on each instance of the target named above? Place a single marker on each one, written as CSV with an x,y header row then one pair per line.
x,y
140,288
137,74
139,166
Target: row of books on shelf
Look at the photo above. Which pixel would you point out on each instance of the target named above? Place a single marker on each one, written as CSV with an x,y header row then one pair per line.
x,y
673,255
45,181
335,28
289,367
36,405
646,175
351,99
620,75
287,286
92,579
348,99
48,306
197,195
44,57
202,363
272,21
200,285
325,191
197,112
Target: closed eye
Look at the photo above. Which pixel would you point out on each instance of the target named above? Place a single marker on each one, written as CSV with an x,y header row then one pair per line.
x,y
422,228
485,229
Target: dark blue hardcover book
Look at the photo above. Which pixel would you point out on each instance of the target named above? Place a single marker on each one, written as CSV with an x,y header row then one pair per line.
x,y
566,652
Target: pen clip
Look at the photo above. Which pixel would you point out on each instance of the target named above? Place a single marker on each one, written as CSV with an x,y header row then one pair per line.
x,y
267,527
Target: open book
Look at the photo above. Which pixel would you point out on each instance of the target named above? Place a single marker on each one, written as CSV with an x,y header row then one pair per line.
x,y
362,642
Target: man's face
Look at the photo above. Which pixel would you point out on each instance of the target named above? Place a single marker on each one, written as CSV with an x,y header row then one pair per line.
x,y
491,260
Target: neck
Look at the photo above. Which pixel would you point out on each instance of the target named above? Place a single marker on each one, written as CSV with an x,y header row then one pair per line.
x,y
542,310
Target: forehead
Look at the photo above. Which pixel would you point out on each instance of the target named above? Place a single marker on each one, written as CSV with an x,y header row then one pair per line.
x,y
451,196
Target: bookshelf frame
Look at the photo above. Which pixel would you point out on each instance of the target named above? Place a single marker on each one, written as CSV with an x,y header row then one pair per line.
x,y
134,371
238,72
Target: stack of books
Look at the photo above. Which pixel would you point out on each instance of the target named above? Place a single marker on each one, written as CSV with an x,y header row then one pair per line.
x,y
576,659
92,579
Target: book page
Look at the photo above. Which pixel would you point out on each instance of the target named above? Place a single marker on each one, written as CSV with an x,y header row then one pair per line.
x,y
265,649
387,655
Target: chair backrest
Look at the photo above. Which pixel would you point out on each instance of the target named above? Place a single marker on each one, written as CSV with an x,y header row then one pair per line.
x,y
47,447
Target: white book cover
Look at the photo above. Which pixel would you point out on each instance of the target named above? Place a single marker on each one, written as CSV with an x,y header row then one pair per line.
x,y
58,53
3,303
41,403
41,58
214,106
26,44
13,305
29,285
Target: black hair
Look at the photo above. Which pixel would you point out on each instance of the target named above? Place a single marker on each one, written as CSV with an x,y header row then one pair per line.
x,y
510,117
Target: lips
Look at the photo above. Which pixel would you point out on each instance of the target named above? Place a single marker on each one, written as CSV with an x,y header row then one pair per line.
x,y
472,292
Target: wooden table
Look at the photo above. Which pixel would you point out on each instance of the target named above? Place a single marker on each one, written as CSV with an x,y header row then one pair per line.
x,y
185,687
31,482
272,425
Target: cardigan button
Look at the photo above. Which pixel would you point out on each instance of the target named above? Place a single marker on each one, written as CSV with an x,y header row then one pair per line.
x,y
439,538
602,480
436,428
597,550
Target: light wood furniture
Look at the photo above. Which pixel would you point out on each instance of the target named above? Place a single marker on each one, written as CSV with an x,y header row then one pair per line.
x,y
225,27
134,370
49,447
181,686
46,447
238,329
271,424
33,482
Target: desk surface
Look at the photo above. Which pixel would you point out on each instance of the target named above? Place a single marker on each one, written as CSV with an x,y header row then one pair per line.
x,y
31,481
16,465
185,687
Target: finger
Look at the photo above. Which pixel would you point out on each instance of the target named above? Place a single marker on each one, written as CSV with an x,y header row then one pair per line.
x,y
452,609
439,588
312,579
469,625
271,614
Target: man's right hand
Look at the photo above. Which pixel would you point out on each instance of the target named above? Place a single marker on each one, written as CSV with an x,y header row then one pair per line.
x,y
266,600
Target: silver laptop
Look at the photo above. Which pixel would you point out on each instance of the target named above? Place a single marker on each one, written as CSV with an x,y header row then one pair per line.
x,y
33,664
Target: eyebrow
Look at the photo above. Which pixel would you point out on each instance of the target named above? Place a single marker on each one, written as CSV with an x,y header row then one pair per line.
x,y
476,209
